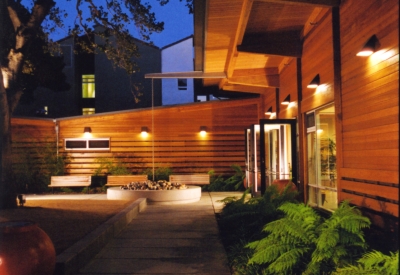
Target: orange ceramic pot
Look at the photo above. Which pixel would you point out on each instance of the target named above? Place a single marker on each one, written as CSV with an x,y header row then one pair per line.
x,y
281,184
25,249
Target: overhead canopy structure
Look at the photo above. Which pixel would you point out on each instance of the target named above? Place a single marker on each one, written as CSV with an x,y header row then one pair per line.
x,y
252,41
193,74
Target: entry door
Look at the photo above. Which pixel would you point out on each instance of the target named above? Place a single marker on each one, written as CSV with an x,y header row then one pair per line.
x,y
278,158
247,137
253,177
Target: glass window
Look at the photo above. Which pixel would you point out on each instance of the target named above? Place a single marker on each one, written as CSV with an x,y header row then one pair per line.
x,y
88,86
321,155
88,111
182,84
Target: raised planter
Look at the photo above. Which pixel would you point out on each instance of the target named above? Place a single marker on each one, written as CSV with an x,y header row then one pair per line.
x,y
179,196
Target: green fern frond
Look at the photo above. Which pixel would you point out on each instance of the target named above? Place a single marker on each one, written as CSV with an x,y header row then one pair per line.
x,y
267,254
374,262
286,261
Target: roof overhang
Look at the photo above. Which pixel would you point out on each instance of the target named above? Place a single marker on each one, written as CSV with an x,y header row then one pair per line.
x,y
193,74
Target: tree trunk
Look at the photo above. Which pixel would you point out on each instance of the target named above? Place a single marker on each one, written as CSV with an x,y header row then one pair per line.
x,y
10,91
7,185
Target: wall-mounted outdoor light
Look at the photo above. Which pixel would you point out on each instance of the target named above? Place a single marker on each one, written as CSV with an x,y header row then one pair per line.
x,y
87,130
144,131
369,47
286,101
269,112
314,83
203,130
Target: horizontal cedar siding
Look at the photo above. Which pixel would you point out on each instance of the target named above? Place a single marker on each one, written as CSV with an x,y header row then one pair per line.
x,y
370,85
177,143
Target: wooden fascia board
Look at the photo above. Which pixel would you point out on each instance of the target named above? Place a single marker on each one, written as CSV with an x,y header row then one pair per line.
x,y
286,43
320,3
245,89
257,71
258,80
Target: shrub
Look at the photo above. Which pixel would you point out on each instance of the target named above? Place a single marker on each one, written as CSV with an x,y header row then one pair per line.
x,y
242,220
303,242
160,173
32,169
232,183
373,262
110,166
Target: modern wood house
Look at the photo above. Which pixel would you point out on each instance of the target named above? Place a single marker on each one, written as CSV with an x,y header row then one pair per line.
x,y
277,48
346,142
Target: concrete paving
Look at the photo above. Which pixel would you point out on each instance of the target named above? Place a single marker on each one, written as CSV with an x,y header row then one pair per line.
x,y
167,239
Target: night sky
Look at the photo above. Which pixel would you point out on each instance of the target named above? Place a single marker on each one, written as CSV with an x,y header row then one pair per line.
x,y
178,23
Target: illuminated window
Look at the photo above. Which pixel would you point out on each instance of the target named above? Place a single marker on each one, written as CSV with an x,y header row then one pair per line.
x,y
321,155
88,86
88,111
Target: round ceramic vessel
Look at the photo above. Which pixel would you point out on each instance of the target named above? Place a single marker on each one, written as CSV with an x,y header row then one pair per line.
x,y
25,249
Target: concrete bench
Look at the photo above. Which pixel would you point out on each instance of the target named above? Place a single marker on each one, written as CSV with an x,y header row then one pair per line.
x,y
119,180
195,179
70,181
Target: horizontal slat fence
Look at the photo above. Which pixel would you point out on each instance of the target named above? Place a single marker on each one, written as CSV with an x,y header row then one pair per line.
x,y
173,134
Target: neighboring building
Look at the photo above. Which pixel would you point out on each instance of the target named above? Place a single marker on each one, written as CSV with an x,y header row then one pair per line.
x,y
177,57
96,86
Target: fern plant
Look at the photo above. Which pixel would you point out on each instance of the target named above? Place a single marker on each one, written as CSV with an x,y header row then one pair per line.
x,y
305,243
374,262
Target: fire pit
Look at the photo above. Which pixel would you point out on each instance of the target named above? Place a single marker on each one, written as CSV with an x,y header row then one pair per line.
x,y
161,192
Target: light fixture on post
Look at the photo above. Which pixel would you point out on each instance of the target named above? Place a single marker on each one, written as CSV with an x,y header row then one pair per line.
x,y
315,82
286,101
203,130
369,47
269,112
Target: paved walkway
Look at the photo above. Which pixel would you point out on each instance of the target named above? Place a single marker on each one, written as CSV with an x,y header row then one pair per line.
x,y
172,239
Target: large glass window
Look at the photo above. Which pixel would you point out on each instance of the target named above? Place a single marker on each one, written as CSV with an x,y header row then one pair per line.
x,y
88,86
321,156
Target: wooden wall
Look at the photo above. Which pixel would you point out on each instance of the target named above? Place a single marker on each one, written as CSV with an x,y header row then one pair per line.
x,y
288,86
317,58
177,142
370,106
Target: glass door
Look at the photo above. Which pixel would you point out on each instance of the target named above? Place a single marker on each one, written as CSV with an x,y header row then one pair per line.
x,y
253,177
278,158
247,157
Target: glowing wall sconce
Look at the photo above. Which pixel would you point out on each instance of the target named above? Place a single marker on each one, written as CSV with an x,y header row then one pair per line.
x,y
203,130
369,46
87,132
315,82
269,112
144,131
286,101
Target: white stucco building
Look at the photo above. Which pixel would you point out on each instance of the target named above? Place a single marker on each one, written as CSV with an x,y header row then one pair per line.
x,y
177,57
